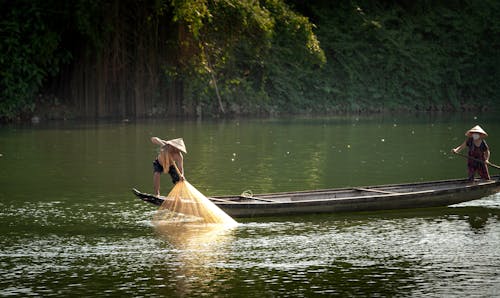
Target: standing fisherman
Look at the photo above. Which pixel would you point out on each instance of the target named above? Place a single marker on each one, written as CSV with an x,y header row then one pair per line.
x,y
479,152
168,159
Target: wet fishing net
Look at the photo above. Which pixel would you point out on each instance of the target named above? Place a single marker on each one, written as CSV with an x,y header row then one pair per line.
x,y
186,205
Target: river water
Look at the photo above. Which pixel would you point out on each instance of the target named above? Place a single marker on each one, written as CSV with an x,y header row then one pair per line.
x,y
70,225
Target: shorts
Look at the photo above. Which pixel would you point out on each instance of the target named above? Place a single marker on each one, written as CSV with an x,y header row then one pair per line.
x,y
158,168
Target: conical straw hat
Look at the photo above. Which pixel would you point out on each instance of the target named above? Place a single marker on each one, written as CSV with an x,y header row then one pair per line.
x,y
477,129
178,143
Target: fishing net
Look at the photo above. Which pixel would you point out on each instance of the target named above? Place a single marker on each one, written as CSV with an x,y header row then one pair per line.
x,y
186,205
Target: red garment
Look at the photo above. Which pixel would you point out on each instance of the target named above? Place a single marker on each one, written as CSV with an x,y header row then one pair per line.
x,y
477,152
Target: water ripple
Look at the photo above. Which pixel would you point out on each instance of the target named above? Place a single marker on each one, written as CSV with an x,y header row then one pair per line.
x,y
62,248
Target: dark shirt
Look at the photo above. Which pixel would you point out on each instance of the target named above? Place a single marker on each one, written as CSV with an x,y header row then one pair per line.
x,y
476,152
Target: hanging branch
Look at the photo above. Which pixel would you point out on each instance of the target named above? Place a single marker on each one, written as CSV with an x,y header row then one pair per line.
x,y
212,74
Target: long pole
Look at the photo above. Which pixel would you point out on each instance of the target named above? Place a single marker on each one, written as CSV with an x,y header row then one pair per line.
x,y
479,160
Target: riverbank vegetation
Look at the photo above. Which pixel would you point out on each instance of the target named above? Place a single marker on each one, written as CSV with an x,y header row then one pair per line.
x,y
157,58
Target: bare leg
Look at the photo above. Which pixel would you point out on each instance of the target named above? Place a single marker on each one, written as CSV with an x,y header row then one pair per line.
x,y
156,182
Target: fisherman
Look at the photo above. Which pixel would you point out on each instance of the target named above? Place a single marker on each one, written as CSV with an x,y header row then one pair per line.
x,y
479,152
169,160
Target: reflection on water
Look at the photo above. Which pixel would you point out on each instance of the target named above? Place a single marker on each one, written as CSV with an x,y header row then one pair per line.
x,y
199,252
119,252
390,253
194,236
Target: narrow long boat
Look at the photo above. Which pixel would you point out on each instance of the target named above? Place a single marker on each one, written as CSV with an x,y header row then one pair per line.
x,y
370,198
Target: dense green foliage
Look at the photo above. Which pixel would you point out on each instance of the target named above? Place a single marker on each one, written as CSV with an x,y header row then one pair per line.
x,y
28,54
254,52
414,55
163,57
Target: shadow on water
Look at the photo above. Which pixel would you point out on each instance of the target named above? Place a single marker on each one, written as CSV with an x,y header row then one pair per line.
x,y
390,252
476,216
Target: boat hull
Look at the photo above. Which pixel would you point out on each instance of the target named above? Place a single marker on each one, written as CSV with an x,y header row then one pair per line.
x,y
375,203
386,197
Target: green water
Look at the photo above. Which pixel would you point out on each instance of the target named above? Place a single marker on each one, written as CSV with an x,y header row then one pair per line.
x,y
71,226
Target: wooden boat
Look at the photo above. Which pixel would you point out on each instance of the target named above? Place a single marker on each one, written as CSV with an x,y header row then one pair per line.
x,y
370,198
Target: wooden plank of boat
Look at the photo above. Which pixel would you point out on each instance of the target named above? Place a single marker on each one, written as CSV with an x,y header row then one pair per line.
x,y
258,199
376,190
155,200
148,197
385,197
159,200
220,200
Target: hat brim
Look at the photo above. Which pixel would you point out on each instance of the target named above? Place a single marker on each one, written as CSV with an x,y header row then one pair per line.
x,y
476,129
469,133
178,144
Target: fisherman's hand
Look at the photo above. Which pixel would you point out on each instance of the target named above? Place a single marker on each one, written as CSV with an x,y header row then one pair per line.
x,y
454,150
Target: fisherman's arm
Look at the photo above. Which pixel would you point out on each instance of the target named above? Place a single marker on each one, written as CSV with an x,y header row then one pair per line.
x,y
487,156
459,148
158,141
181,166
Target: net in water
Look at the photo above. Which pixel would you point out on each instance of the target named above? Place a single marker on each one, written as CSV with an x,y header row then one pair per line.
x,y
186,205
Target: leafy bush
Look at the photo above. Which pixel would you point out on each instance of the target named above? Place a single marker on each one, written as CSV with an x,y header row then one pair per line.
x,y
28,54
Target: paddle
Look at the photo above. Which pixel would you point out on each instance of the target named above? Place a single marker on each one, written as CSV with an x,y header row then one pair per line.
x,y
479,160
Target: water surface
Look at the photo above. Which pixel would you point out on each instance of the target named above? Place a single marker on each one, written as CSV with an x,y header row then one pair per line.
x,y
71,226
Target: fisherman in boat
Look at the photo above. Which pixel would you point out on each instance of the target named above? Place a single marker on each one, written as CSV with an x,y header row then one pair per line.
x,y
479,152
169,160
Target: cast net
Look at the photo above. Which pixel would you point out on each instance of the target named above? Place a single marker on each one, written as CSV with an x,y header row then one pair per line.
x,y
186,205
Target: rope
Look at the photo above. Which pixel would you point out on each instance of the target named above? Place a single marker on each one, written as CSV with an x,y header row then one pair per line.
x,y
247,194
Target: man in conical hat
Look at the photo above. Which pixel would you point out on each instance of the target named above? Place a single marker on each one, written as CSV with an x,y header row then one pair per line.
x,y
476,129
169,160
479,152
